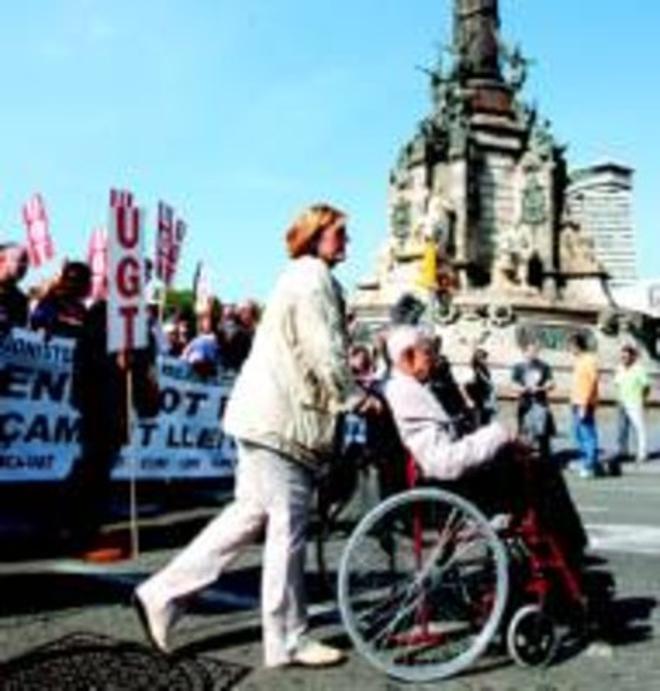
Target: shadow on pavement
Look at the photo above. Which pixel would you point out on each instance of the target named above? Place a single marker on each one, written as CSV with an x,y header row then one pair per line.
x,y
615,621
89,661
33,521
36,593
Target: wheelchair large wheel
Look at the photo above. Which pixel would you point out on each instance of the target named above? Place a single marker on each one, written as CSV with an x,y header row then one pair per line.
x,y
422,585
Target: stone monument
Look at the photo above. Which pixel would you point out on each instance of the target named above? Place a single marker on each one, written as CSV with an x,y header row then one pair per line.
x,y
482,182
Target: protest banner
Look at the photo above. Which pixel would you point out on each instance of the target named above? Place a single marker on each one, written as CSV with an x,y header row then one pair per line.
x,y
127,315
164,241
185,440
97,258
127,318
180,230
170,235
39,241
40,430
120,198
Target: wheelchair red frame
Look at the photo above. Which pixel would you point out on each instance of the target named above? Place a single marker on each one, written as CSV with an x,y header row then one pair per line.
x,y
547,565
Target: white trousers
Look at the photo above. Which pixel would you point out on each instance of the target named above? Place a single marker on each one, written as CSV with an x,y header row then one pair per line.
x,y
635,418
271,490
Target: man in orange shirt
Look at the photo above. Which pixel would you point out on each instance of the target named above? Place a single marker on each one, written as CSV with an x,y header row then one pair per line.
x,y
584,399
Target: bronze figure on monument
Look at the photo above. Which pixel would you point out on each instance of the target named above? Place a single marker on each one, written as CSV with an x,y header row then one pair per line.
x,y
476,38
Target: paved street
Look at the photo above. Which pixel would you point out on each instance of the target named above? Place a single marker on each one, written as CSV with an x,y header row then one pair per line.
x,y
44,601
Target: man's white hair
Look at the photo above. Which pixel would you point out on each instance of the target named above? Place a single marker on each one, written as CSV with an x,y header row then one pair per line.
x,y
403,338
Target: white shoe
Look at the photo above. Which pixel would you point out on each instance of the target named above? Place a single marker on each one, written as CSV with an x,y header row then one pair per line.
x,y
501,522
574,466
155,620
587,473
311,653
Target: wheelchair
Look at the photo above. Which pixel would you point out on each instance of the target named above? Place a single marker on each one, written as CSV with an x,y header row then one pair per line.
x,y
427,583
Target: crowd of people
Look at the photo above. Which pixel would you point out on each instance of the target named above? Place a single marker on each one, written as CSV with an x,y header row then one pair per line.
x,y
298,373
212,337
471,401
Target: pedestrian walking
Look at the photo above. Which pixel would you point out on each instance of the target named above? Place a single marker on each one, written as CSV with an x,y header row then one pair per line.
x,y
282,413
584,400
533,380
480,389
632,386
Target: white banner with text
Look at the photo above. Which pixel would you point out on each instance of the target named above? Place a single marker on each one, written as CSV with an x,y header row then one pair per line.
x,y
40,430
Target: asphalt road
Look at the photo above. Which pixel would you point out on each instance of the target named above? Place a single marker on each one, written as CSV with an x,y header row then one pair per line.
x,y
47,600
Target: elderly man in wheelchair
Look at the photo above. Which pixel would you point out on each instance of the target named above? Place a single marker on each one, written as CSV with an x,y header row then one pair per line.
x,y
485,544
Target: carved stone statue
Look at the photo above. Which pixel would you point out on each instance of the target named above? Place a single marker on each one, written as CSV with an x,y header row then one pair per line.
x,y
576,250
510,266
542,143
476,27
517,67
534,208
401,220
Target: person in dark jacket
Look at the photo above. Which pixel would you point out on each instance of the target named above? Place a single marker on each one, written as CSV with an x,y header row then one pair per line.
x,y
480,389
533,380
13,301
61,312
99,392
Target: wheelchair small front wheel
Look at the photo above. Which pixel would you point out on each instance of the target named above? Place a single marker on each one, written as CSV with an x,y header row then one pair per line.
x,y
531,637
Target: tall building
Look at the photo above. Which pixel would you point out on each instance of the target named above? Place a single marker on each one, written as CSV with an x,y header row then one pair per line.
x,y
599,198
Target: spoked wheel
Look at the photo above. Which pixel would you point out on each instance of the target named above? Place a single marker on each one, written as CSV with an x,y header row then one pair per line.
x,y
531,637
422,585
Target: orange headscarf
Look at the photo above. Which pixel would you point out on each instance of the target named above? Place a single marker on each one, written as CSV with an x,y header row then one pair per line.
x,y
301,236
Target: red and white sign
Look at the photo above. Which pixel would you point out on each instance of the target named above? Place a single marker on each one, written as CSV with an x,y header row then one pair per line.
x,y
39,242
97,258
127,317
164,239
120,198
180,229
169,239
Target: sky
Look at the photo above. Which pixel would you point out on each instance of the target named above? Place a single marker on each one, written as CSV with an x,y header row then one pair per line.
x,y
242,112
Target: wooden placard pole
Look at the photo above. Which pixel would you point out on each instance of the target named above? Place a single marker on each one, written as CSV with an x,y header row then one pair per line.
x,y
127,320
133,502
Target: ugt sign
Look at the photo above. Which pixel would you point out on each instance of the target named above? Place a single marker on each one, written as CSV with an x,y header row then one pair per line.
x,y
127,319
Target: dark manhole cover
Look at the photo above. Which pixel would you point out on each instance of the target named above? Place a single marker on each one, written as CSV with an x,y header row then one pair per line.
x,y
86,662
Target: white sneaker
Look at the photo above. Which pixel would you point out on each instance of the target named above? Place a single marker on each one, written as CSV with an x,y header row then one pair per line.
x,y
587,473
311,653
155,620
